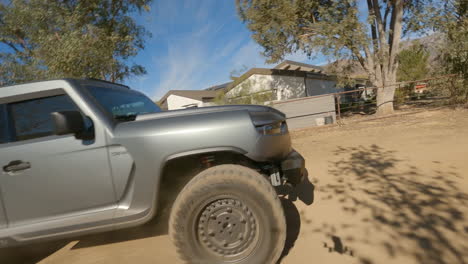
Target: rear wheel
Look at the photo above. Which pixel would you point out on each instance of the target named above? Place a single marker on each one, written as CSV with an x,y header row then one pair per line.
x,y
228,214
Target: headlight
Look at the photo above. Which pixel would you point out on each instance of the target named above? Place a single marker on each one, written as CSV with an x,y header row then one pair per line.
x,y
273,129
271,122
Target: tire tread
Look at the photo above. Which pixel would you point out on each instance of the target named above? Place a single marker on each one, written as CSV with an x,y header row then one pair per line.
x,y
224,174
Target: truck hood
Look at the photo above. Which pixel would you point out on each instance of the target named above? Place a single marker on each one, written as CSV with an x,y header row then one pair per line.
x,y
253,110
220,127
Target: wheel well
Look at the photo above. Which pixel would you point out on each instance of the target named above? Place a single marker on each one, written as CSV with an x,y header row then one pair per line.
x,y
179,171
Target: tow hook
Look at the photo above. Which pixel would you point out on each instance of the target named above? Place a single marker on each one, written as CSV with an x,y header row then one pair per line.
x,y
275,177
274,173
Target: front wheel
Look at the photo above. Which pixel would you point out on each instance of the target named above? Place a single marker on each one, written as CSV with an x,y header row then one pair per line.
x,y
228,214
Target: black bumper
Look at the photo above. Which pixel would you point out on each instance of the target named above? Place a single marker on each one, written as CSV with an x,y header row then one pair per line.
x,y
293,168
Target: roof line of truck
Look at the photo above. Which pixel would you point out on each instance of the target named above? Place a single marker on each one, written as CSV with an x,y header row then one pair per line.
x,y
67,79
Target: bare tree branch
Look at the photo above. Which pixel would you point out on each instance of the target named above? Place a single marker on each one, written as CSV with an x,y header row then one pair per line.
x,y
383,49
373,29
11,45
387,11
396,28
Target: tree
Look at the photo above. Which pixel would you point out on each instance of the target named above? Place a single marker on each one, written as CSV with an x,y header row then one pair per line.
x,y
412,66
69,38
234,74
336,28
413,63
456,52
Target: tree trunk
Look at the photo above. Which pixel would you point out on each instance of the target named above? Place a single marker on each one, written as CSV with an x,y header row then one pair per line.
x,y
385,100
386,94
382,65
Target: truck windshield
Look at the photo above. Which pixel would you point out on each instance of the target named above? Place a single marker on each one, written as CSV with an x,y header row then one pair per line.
x,y
124,105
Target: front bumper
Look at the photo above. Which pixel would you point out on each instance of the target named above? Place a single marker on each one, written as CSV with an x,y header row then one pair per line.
x,y
293,168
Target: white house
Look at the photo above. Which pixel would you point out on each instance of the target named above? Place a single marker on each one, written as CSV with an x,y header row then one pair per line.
x,y
180,99
288,80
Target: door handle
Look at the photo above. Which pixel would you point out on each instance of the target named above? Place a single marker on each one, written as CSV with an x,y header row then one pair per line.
x,y
16,165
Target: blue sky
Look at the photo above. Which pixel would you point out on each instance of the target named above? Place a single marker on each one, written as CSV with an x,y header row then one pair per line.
x,y
195,45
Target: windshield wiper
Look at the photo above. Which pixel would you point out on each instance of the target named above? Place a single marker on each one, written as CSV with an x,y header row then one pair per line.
x,y
125,117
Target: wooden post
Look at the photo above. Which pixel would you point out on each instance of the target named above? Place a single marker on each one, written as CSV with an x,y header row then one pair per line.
x,y
338,97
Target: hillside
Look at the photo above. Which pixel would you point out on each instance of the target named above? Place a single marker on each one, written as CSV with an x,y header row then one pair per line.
x,y
433,44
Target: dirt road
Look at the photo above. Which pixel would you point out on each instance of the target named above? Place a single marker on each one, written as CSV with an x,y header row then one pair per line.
x,y
392,190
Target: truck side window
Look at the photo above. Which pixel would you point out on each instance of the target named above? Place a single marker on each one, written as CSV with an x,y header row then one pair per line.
x,y
3,125
31,118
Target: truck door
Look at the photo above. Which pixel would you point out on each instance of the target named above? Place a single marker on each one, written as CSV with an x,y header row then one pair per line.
x,y
45,176
3,139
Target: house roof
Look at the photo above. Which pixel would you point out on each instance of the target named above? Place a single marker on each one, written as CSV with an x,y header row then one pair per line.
x,y
285,68
218,87
192,94
298,66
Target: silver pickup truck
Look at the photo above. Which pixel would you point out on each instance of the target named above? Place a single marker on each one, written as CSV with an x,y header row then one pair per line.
x,y
85,156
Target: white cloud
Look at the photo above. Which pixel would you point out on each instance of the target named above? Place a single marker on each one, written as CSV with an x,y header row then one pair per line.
x,y
180,66
248,55
229,48
298,56
190,63
201,47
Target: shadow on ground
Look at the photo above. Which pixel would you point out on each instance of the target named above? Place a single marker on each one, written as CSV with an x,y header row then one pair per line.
x,y
422,215
30,254
35,252
303,192
158,226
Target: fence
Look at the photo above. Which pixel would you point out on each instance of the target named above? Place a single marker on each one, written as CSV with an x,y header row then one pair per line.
x,y
405,92
310,111
328,108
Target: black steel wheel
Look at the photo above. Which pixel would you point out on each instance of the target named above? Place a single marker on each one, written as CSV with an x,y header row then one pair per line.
x,y
227,227
228,214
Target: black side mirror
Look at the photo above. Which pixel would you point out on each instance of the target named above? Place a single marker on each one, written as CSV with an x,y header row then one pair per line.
x,y
68,122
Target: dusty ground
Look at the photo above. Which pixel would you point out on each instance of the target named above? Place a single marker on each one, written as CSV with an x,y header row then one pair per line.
x,y
391,190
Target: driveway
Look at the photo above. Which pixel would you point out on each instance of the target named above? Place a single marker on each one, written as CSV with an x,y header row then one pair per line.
x,y
392,190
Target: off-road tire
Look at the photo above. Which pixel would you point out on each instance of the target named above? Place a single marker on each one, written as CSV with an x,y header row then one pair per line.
x,y
228,214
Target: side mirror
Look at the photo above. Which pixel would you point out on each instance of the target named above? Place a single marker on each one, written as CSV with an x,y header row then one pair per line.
x,y
68,122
